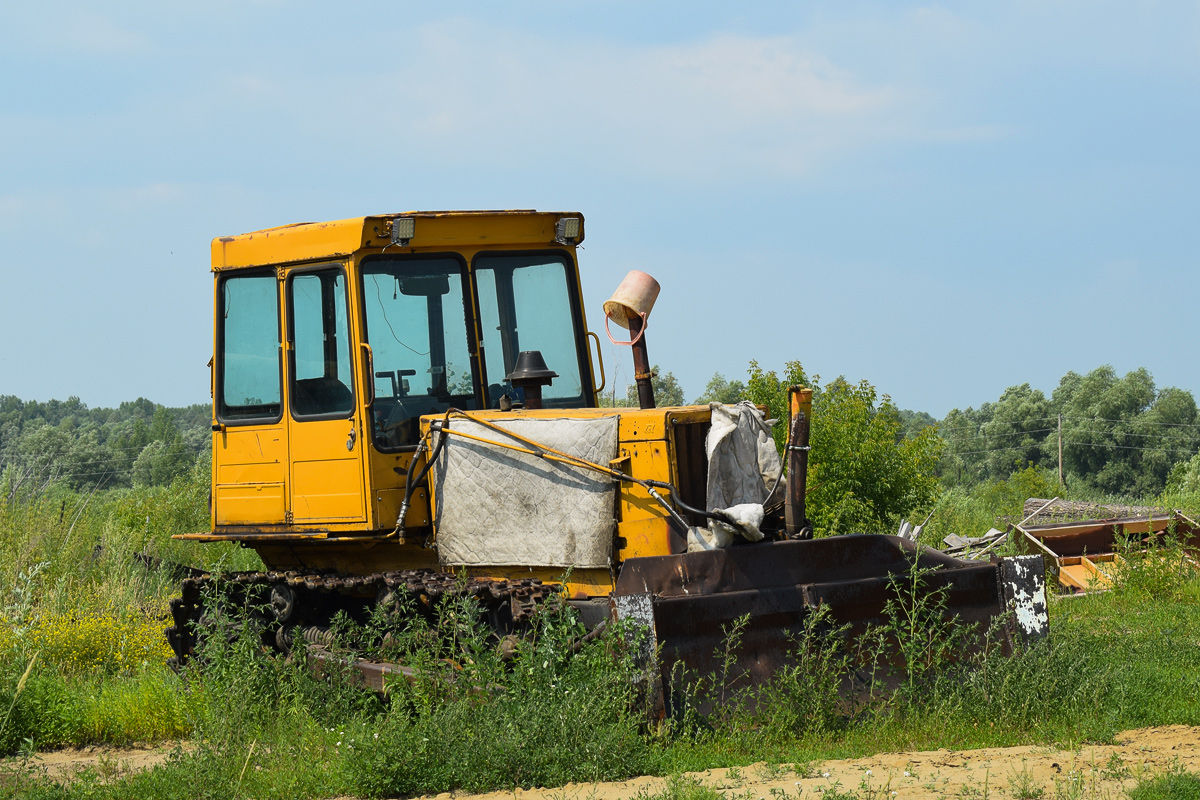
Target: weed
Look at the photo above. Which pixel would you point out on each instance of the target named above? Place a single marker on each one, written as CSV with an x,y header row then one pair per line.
x,y
681,787
927,640
1155,568
771,771
1070,787
970,791
1115,769
1023,786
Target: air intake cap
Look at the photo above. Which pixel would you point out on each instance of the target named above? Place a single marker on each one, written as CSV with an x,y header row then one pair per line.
x,y
531,369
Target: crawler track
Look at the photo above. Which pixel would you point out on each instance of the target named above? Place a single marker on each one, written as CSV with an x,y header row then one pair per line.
x,y
281,603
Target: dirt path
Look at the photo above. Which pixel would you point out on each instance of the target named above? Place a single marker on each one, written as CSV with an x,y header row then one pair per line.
x,y
1094,772
108,761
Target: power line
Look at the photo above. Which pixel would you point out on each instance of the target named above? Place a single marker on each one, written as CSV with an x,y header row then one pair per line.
x,y
1138,422
1077,444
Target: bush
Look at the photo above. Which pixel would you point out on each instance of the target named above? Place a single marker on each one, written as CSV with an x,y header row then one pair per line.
x,y
864,474
100,642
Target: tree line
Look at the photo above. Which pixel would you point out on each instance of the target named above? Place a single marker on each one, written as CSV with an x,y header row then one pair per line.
x,y
1117,435
870,463
64,442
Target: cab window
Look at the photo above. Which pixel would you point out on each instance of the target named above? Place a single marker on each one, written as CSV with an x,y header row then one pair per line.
x,y
248,369
320,354
417,328
526,303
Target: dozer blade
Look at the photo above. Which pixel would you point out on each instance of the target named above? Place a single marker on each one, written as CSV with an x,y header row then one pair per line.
x,y
688,602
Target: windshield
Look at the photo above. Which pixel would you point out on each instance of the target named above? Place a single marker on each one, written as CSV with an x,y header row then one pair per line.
x,y
417,329
527,303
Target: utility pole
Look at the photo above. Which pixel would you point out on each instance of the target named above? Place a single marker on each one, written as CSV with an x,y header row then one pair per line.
x,y
1061,482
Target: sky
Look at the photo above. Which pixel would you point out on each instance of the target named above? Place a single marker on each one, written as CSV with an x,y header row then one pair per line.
x,y
944,200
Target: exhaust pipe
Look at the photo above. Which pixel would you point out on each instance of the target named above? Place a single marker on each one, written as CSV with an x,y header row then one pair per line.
x,y
629,307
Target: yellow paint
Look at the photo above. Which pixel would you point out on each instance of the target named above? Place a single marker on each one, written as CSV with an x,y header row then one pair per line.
x,y
800,399
435,231
648,536
249,476
317,493
327,479
250,504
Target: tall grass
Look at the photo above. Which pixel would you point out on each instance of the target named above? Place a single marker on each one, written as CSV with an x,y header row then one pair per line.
x,y
72,591
559,710
270,726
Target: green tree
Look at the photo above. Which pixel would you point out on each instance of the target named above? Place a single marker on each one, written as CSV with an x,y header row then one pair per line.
x,y
167,455
1120,434
990,442
160,462
722,390
863,472
667,391
915,421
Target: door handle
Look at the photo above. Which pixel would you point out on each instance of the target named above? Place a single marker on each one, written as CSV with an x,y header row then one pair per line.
x,y
353,436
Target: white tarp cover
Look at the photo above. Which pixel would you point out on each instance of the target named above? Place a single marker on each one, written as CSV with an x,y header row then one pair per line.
x,y
498,507
743,469
743,464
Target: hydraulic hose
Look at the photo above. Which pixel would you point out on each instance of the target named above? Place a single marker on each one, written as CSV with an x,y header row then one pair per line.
x,y
412,477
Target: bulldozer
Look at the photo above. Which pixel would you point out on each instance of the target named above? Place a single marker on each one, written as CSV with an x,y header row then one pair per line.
x,y
408,405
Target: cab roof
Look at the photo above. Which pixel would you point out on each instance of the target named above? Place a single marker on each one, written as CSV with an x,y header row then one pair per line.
x,y
434,231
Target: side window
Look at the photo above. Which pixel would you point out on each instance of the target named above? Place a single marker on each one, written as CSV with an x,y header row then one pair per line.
x,y
525,304
320,357
248,362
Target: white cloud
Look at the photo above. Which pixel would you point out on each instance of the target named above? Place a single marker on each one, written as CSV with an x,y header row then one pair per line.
x,y
715,107
88,32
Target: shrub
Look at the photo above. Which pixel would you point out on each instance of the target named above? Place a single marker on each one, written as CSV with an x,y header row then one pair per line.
x,y
863,472
109,642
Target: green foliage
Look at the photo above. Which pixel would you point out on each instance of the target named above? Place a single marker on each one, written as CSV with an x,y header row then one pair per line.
x,y
767,388
803,697
927,640
549,716
914,422
1184,478
667,391
864,472
1120,435
972,512
722,390
1158,571
43,444
681,787
1176,784
998,438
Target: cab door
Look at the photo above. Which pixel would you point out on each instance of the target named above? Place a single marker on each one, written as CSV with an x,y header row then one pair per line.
x,y
250,452
324,437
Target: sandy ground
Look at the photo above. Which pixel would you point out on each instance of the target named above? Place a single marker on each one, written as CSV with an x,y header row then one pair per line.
x,y
1093,772
108,761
